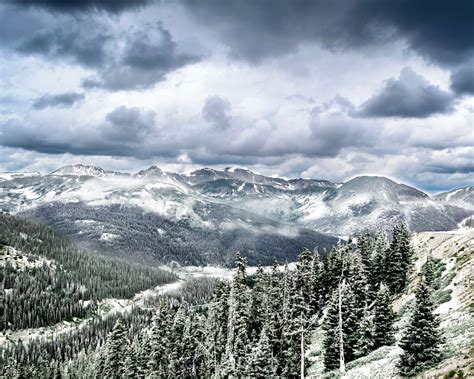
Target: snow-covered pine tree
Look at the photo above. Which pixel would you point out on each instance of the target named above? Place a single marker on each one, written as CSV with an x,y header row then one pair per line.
x,y
216,326
383,318
303,282
176,338
159,343
356,276
316,284
202,362
365,245
331,343
333,267
261,363
428,270
183,366
422,338
115,351
365,340
237,347
380,251
258,307
274,314
399,259
295,332
131,369
144,353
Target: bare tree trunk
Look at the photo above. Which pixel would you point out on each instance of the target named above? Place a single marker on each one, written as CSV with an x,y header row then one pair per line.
x,y
302,340
302,353
342,366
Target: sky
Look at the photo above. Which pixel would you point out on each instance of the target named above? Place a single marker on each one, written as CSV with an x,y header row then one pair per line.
x,y
314,88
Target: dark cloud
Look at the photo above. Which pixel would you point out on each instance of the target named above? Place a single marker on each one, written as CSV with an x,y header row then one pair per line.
x,y
462,79
70,39
410,95
217,111
136,59
61,100
112,6
129,124
255,29
149,55
85,50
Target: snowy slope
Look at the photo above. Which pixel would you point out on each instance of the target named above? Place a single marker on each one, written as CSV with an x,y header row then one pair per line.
x,y
460,196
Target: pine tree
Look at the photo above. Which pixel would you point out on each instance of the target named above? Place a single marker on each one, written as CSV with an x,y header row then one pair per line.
x,y
383,318
131,369
258,308
379,260
357,280
237,347
116,349
261,362
159,340
428,271
316,285
295,329
422,338
399,259
274,316
365,341
365,245
176,338
216,328
331,343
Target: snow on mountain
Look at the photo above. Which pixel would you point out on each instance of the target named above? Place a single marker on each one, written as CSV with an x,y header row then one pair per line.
x,y
80,170
461,196
14,175
340,209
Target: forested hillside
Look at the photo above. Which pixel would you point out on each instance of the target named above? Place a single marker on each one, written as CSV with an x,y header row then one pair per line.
x,y
149,237
47,280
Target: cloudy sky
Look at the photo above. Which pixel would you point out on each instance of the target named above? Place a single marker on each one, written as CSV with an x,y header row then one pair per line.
x,y
320,89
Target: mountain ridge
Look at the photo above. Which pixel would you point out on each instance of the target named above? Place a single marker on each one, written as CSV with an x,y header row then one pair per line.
x,y
206,197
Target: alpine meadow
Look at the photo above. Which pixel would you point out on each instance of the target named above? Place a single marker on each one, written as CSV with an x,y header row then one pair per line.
x,y
236,189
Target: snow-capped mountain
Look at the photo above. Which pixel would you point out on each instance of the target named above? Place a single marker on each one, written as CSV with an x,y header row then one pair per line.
x,y
206,198
460,196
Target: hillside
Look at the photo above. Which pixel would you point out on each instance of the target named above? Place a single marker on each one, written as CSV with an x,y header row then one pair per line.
x,y
47,279
460,196
455,299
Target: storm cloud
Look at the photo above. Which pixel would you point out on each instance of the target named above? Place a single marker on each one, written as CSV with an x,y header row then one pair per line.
x,y
113,6
256,29
410,95
462,79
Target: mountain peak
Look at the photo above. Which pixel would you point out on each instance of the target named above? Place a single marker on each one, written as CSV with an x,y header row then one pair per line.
x,y
381,186
80,170
150,171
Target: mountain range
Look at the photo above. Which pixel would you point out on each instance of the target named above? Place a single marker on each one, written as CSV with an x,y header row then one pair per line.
x,y
205,216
